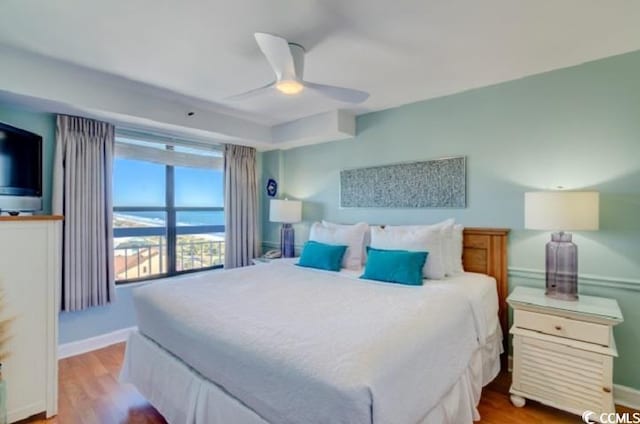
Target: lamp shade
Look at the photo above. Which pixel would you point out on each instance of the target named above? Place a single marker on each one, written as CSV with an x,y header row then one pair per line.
x,y
561,210
285,211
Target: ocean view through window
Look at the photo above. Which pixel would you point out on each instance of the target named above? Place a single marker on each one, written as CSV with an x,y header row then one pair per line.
x,y
168,215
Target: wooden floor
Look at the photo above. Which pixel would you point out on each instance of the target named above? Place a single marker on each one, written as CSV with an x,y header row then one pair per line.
x,y
90,394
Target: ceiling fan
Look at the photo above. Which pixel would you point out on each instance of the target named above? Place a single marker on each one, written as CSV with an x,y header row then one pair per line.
x,y
287,61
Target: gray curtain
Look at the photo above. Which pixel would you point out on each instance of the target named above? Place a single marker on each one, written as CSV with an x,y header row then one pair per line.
x,y
240,206
82,194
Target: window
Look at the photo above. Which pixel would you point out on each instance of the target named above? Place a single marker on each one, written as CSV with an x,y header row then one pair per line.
x,y
168,214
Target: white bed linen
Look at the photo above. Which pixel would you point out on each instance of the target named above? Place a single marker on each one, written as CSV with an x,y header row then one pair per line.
x,y
480,290
183,396
298,345
482,294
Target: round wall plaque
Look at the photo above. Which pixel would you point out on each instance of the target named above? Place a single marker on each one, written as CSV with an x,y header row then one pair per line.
x,y
272,187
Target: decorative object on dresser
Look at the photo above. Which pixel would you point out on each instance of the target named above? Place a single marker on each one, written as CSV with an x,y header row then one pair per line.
x,y
563,351
30,275
286,212
560,211
438,183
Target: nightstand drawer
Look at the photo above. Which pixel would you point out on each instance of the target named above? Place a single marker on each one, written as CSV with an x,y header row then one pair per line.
x,y
560,375
563,327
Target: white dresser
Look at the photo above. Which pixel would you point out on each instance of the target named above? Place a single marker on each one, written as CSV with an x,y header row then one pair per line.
x,y
563,351
30,276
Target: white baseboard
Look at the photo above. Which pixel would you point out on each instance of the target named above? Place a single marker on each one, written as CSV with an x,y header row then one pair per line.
x,y
25,412
622,395
626,396
93,343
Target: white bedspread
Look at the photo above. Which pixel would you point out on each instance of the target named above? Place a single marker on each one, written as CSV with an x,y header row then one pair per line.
x,y
297,345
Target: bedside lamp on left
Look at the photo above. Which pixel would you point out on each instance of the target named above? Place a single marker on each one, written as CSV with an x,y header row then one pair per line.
x,y
286,212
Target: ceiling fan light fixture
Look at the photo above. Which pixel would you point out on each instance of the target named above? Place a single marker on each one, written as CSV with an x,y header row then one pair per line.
x,y
289,87
287,62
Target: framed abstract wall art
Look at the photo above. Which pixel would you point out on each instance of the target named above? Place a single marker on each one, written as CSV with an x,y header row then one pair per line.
x,y
438,183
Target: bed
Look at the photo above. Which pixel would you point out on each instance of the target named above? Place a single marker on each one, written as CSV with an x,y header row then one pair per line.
x,y
278,343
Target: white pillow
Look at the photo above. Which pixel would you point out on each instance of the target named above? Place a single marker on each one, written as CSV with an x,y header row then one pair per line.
x,y
441,224
448,253
416,239
365,242
456,251
352,236
447,249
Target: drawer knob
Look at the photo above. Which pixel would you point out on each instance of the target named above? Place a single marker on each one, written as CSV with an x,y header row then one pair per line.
x,y
558,327
606,389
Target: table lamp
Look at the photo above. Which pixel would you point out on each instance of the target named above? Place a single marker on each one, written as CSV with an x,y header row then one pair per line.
x,y
286,212
561,211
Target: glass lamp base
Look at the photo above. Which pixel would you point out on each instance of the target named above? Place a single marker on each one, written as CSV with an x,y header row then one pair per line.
x,y
562,267
561,296
287,237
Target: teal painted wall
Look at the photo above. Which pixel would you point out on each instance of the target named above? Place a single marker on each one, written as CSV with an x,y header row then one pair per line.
x,y
43,124
92,322
578,128
95,321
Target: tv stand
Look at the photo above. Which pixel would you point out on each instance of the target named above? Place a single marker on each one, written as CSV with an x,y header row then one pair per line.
x,y
13,213
23,217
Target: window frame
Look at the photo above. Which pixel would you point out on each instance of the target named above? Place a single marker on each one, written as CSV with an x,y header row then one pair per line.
x,y
171,231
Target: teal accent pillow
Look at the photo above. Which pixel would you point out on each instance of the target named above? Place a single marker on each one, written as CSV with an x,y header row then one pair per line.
x,y
395,266
322,256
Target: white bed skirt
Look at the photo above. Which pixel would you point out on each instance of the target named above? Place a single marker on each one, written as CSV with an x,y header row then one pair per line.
x,y
459,405
183,396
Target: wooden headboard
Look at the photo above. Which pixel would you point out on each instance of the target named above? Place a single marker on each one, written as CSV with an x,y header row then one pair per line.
x,y
485,251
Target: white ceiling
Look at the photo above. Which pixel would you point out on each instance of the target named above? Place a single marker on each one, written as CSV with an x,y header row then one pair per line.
x,y
202,51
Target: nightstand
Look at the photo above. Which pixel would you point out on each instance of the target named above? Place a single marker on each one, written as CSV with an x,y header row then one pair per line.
x,y
563,351
262,260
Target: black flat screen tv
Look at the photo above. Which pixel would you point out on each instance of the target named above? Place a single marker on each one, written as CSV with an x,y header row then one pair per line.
x,y
20,170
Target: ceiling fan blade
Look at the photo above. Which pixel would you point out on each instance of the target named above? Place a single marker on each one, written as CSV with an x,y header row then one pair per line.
x,y
347,95
251,93
277,51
